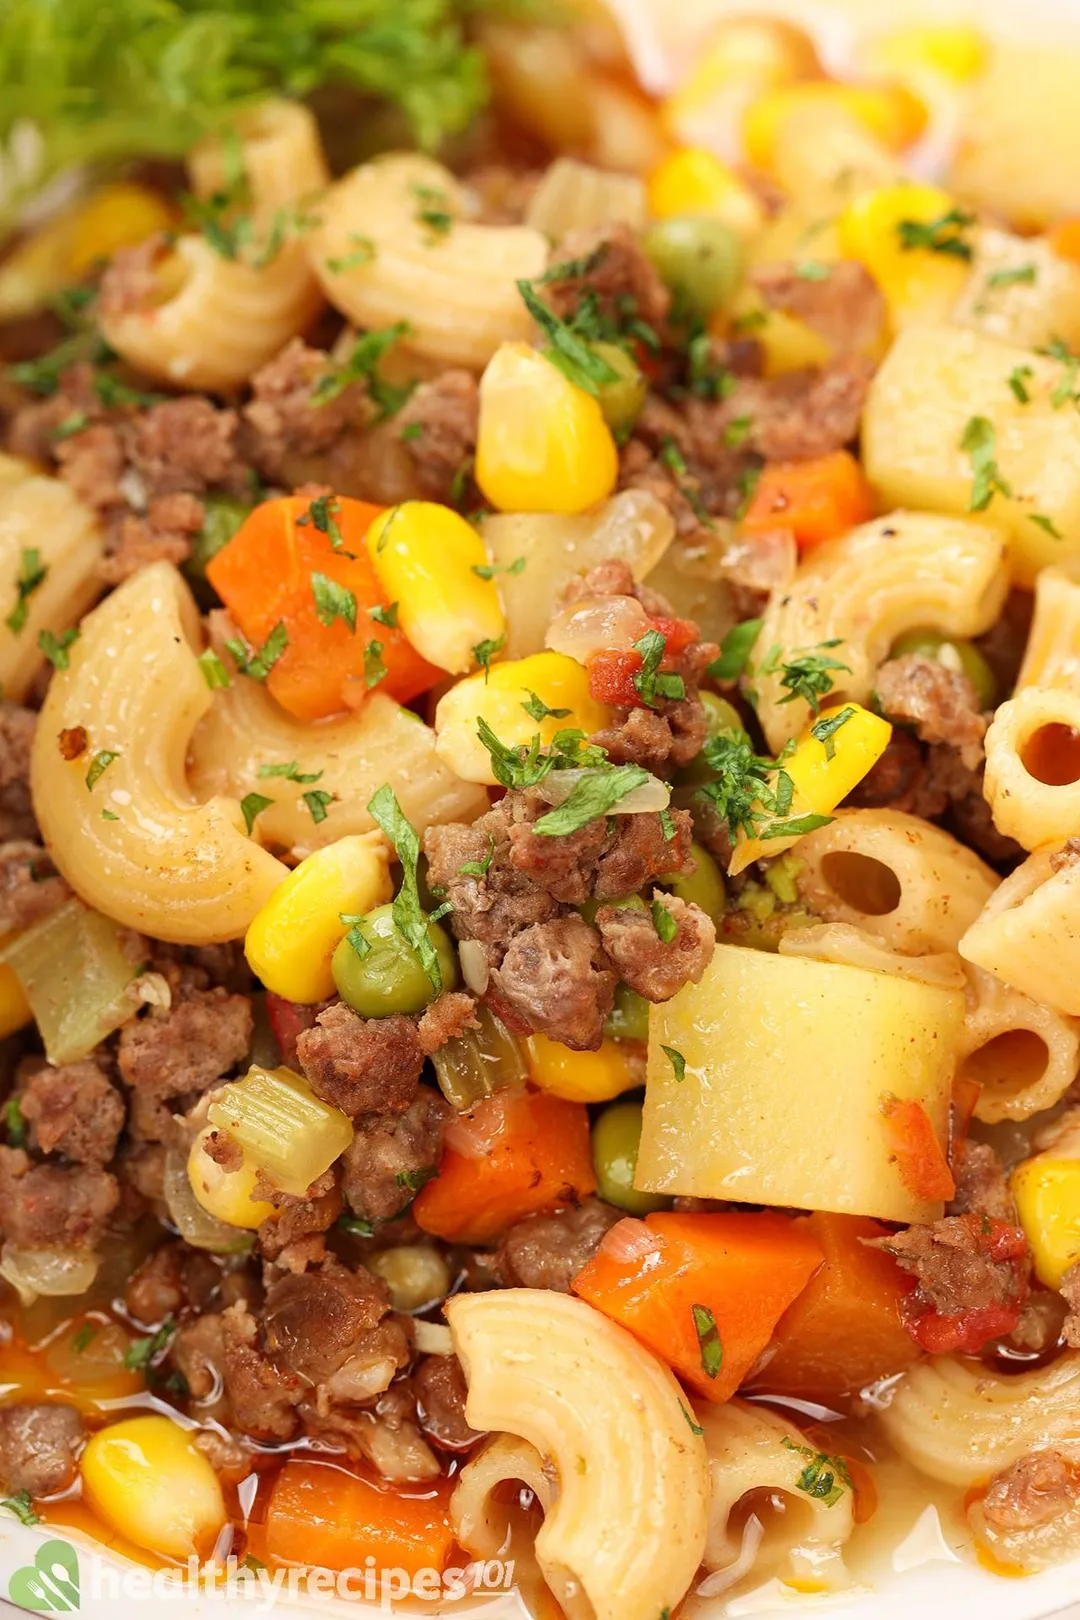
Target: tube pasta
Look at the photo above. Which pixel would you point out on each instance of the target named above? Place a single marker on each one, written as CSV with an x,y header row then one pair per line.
x,y
212,321
574,195
632,525
1031,726
900,878
1024,1055
134,843
752,1449
869,587
958,1423
1028,933
626,1526
843,942
42,515
246,730
455,286
1052,655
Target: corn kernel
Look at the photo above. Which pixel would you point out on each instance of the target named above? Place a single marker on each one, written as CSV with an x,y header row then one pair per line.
x,y
542,445
281,1126
745,56
1047,1193
416,1275
693,181
15,1010
560,683
427,557
228,1195
65,248
953,51
787,343
145,1478
894,115
918,283
587,1077
291,940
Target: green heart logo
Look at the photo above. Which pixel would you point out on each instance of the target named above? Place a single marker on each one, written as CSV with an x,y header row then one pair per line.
x,y
51,1583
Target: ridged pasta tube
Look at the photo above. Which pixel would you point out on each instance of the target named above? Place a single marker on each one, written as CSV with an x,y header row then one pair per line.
x,y
625,1528
867,588
1028,933
1024,1055
1032,781
574,195
958,1423
1052,654
44,531
898,877
108,783
380,260
212,321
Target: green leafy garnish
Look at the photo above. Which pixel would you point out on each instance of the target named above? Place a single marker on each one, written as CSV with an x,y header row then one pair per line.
x,y
290,770
525,765
824,1477
978,442
318,802
363,366
21,1504
323,514
812,270
100,764
538,710
708,1337
356,1225
677,1061
259,663
484,652
410,919
31,575
252,805
737,432
214,672
825,730
675,462
1064,391
695,1428
945,234
55,648
333,601
385,615
85,1336
374,668
592,796
806,674
752,794
434,211
15,1128
489,570
363,252
359,942
1017,381
649,683
735,650
141,1353
569,352
480,868
746,483
413,1180
1041,521
1019,275
664,923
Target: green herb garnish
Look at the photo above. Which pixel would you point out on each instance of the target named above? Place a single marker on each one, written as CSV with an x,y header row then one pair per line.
x,y
31,575
410,919
945,234
333,601
708,1337
55,648
677,1061
978,441
825,730
290,770
258,664
318,802
100,764
252,805
592,797
735,650
214,672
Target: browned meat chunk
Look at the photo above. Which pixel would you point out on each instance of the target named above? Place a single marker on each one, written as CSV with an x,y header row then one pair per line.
x,y
440,1395
163,535
938,702
188,1046
298,1218
43,1206
620,276
361,1065
895,777
437,426
39,1442
654,967
330,1328
981,1184
556,978
497,905
155,1289
548,1251
641,852
391,1156
801,414
198,1353
263,1399
16,737
1036,1489
844,305
30,887
76,1111
449,1016
642,738
184,444
565,867
92,462
282,418
130,280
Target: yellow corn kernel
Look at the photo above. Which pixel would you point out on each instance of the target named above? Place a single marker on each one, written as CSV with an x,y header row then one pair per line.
x,y
918,283
744,56
15,1010
560,683
228,1195
955,51
891,113
291,940
65,248
145,1478
587,1077
787,344
542,445
693,181
281,1126
426,557
823,769
1047,1193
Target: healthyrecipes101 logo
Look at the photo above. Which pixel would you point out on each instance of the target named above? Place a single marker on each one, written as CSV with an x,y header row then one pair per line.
x,y
52,1584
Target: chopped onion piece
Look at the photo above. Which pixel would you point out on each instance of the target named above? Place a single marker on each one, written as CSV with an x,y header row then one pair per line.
x,y
32,1272
630,1241
195,1224
77,978
474,965
432,1338
597,624
651,796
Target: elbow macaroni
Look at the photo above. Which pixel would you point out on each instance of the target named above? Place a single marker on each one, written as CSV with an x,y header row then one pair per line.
x,y
213,320
1027,742
134,843
1024,1055
1028,933
626,1525
1052,653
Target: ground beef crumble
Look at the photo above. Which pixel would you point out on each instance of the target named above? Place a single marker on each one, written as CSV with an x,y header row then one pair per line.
x,y
39,1445
1034,1490
548,1250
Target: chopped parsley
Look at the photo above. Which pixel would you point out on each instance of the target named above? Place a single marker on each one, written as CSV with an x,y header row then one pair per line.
x,y
109,815
484,652
664,923
411,432
538,710
85,1336
667,825
374,668
978,442
735,650
649,684
812,270
21,1504
706,378
323,514
489,570
675,462
746,794
318,802
363,366
360,944
31,576
1065,390
385,615
575,269
945,234
737,432
1020,275
363,251
708,1337
434,211
526,765
569,352
677,1061
141,1353
480,868
258,664
592,797
825,730
290,770
824,1477
695,1428
413,1180
333,601
14,1124
807,674
746,483
1017,381
100,764
356,1225
252,805
214,672
410,919
55,648
1041,521
67,429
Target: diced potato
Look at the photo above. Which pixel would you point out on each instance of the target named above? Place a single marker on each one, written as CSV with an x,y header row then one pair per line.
x,y
933,382
788,1062
1020,291
1019,148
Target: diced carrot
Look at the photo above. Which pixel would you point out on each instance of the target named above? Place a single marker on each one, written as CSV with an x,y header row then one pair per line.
x,y
264,575
1064,238
817,499
919,1155
846,1328
515,1153
669,1278
322,1516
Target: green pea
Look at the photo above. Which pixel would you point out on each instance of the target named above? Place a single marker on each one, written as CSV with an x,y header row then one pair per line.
x,y
628,1019
620,401
390,978
701,259
704,886
616,1137
955,654
223,517
720,715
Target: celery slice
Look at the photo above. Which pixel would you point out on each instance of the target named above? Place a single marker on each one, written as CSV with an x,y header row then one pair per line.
x,y
282,1126
77,979
480,1061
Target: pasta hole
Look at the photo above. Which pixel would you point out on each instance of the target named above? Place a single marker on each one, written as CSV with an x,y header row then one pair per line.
x,y
861,883
1009,1064
1052,755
